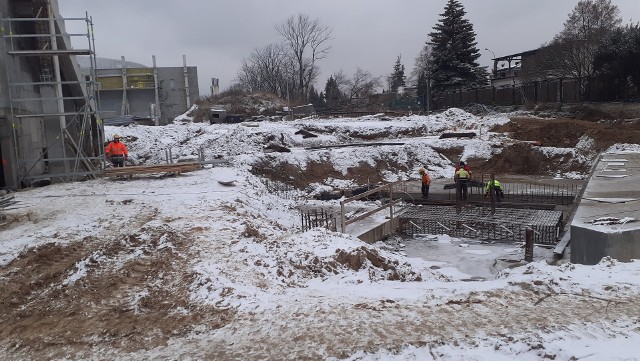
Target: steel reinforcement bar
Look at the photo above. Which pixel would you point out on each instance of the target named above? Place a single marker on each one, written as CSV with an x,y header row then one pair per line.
x,y
506,225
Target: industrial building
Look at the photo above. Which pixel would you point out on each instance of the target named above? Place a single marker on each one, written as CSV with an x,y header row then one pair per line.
x,y
158,93
49,131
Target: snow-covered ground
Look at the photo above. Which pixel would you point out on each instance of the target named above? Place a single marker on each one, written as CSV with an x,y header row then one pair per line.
x,y
201,270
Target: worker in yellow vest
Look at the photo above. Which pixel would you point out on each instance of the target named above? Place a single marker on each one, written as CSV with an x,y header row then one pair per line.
x,y
497,190
461,177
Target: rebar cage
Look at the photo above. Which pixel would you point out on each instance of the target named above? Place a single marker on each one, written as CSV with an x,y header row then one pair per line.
x,y
505,225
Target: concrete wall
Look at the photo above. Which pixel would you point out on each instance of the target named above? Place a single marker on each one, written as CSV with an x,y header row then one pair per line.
x,y
24,141
610,192
380,232
173,99
590,246
28,132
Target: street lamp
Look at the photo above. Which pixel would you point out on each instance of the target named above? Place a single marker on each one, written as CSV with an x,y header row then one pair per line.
x,y
494,55
495,63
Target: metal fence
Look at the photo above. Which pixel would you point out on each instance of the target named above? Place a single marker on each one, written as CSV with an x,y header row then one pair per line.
x,y
561,90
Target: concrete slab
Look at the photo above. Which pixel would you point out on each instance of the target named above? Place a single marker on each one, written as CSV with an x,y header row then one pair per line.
x,y
607,220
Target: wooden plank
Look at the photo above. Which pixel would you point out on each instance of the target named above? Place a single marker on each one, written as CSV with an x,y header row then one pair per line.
x,y
153,168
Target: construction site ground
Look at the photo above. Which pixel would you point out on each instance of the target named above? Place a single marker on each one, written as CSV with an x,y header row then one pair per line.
x,y
188,267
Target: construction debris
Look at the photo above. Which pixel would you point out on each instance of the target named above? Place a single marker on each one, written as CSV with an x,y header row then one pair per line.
x,y
306,134
458,135
604,221
354,145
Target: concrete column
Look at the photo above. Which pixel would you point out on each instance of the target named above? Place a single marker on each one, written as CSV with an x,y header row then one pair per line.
x,y
156,114
185,70
125,85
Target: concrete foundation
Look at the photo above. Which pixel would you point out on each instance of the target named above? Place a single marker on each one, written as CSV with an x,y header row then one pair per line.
x,y
607,220
380,231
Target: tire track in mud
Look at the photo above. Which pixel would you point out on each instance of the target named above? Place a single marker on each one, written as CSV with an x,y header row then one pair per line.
x,y
320,331
130,292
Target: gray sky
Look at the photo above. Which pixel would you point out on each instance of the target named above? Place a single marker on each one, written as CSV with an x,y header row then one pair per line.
x,y
216,35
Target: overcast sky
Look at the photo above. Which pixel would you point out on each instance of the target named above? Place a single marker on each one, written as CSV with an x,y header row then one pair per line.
x,y
216,35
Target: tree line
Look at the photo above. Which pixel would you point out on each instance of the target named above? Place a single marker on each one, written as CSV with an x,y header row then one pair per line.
x,y
593,42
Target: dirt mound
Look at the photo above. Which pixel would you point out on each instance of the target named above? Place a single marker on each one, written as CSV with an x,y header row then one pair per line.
x,y
566,133
92,293
298,177
563,133
526,159
260,103
361,258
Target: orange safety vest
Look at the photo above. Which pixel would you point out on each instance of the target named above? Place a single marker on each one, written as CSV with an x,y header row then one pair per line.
x,y
426,180
116,149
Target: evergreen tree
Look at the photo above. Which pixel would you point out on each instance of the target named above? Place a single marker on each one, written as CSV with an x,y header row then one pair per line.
x,y
315,98
454,52
333,97
618,57
397,78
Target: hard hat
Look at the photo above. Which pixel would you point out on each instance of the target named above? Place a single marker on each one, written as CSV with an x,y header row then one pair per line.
x,y
116,136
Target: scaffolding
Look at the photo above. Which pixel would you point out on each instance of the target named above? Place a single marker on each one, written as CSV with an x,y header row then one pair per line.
x,y
57,133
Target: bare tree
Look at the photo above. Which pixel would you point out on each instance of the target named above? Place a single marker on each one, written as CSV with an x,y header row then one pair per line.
x,y
591,20
361,84
265,70
573,50
421,64
308,41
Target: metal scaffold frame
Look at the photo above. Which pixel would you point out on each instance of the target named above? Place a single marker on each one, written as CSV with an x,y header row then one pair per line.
x,y
65,95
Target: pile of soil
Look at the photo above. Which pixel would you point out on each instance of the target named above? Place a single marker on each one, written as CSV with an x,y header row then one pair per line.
x,y
525,159
41,310
566,133
314,172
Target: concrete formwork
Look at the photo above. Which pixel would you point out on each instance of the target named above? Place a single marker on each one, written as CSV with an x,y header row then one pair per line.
x,y
612,193
506,224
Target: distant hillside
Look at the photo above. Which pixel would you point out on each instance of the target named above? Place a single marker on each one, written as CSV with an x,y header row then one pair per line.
x,y
106,63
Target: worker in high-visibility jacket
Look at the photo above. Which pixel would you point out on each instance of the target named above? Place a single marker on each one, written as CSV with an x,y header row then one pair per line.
x,y
497,190
426,182
117,152
461,177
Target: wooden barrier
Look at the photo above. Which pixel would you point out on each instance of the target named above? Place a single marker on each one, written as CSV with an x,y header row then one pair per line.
x,y
387,187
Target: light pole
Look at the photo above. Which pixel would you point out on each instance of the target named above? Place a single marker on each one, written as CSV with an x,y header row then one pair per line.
x,y
495,63
492,53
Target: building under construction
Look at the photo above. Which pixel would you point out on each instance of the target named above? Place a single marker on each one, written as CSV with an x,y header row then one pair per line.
x,y
158,93
49,131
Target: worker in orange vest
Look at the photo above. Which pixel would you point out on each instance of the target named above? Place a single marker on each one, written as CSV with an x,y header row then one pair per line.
x,y
116,152
426,182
